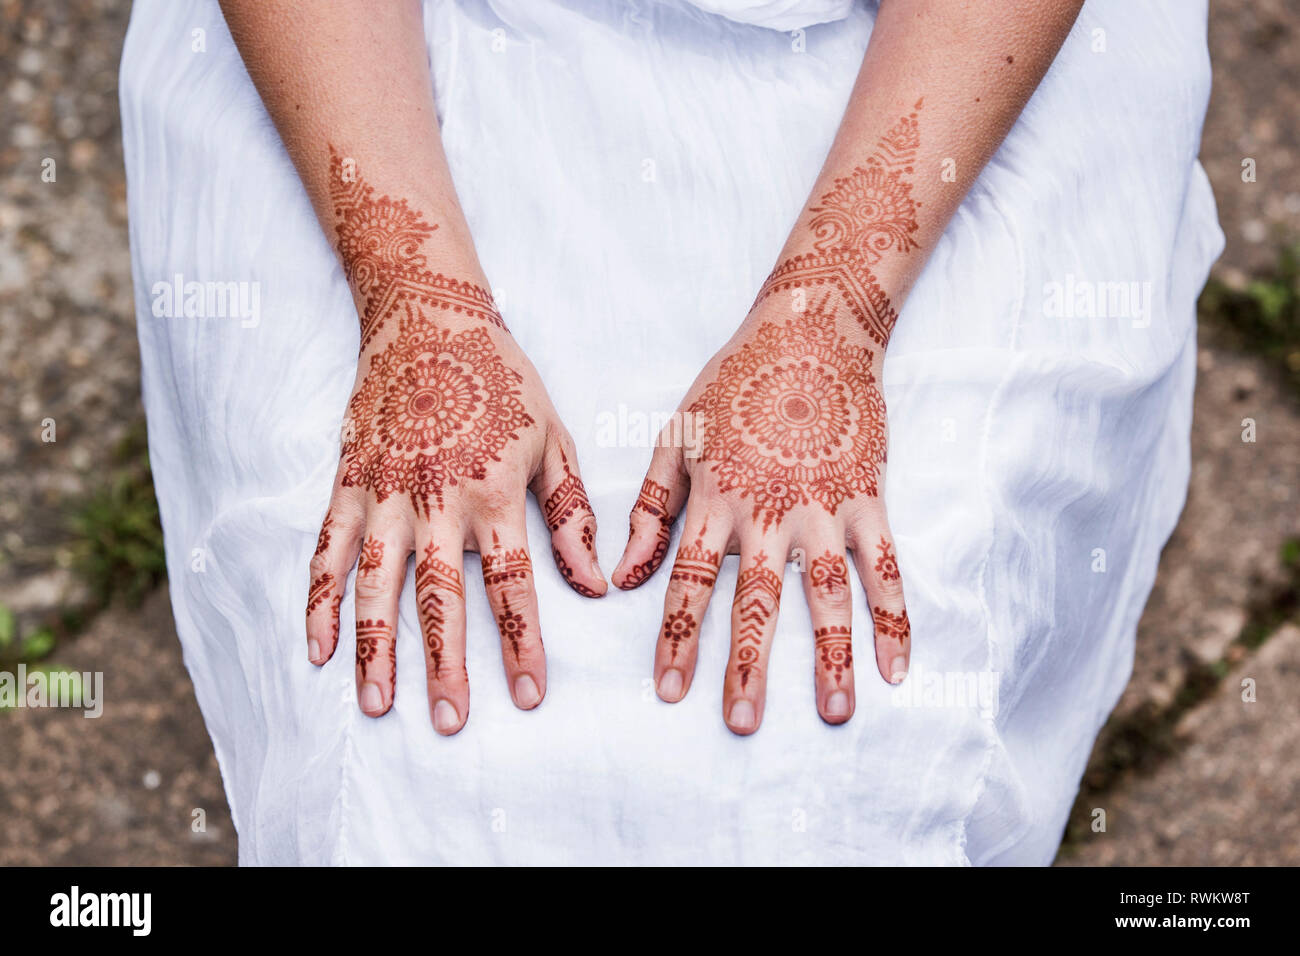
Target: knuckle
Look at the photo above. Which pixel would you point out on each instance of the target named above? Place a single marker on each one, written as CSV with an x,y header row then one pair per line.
x,y
374,583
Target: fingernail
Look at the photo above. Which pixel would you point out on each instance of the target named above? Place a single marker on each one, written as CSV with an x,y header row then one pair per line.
x,y
837,705
595,568
898,670
445,718
670,685
372,698
742,715
526,693
313,651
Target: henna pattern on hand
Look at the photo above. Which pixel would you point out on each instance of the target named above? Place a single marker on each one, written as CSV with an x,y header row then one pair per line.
x,y
696,565
512,626
380,242
758,595
886,564
443,405
371,635
319,591
892,625
372,555
567,501
434,578
566,572
653,501
678,626
829,574
323,541
502,565
835,648
866,214
794,416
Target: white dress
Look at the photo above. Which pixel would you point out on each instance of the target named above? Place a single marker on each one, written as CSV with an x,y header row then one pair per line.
x,y
630,172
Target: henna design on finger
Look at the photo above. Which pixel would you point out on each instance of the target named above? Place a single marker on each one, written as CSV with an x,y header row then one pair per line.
x,y
835,648
566,572
652,501
793,417
568,500
380,242
886,564
678,626
323,541
435,578
866,214
829,574
320,591
372,555
758,595
372,635
696,564
892,625
512,627
444,404
502,565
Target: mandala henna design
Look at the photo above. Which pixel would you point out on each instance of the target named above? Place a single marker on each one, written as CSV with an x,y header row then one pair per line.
x,y
380,242
433,579
567,501
835,649
866,214
371,637
886,564
794,416
758,594
829,574
678,626
444,406
892,625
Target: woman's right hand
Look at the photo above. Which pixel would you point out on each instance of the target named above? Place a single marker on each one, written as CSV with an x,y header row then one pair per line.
x,y
447,427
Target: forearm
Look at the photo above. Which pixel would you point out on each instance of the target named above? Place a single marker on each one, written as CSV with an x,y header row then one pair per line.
x,y
347,85
941,84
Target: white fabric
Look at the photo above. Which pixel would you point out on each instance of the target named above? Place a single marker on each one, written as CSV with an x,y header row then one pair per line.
x,y
630,175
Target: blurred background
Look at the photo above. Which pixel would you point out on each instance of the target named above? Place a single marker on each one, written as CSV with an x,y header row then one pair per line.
x,y
1187,772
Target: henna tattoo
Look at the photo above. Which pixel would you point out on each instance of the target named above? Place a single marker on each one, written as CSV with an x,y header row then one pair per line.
x,y
886,564
372,635
566,572
866,214
835,648
372,555
512,626
678,626
758,594
444,406
568,500
892,625
323,542
696,564
435,578
653,501
502,565
829,574
320,590
380,242
794,416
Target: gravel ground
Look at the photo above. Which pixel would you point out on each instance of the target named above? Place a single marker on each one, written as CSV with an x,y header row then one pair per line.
x,y
124,788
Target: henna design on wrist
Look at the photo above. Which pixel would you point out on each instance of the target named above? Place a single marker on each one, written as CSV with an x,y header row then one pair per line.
x,y
380,242
892,625
371,636
866,214
835,648
829,574
758,595
886,564
794,416
434,578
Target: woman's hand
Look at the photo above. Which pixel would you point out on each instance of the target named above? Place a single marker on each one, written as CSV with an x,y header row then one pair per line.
x,y
447,427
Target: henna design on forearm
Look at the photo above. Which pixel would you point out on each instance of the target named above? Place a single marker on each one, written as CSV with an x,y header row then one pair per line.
x,y
835,648
380,242
435,578
829,574
892,625
794,416
758,595
866,214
